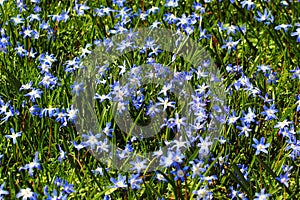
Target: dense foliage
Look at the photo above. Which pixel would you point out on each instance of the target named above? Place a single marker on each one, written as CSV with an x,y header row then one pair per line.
x,y
254,45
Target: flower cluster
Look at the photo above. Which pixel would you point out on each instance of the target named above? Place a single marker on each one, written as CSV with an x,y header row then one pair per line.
x,y
238,143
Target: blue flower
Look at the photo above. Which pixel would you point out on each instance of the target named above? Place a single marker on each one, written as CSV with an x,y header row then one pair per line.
x,y
28,33
55,18
103,11
283,124
31,53
284,132
181,22
103,146
167,161
269,112
107,197
160,177
85,50
152,109
287,168
249,117
80,8
230,44
34,110
54,195
78,146
234,193
37,9
10,113
170,18
4,40
26,194
77,88
45,67
203,193
171,3
98,170
272,77
263,68
72,113
73,65
91,140
244,170
232,29
120,183
17,20
124,13
204,145
124,45
21,5
262,195
50,112
142,15
135,181
139,164
64,16
296,73
47,59
62,154
203,34
58,181
297,33
232,119
180,173
250,5
197,168
108,130
284,179
34,164
44,25
13,135
298,103
153,10
260,146
177,121
2,191
267,17
48,81
68,188
34,94
166,103
198,6
283,26
245,129
267,99
20,50
294,145
102,97
4,43
33,17
119,3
